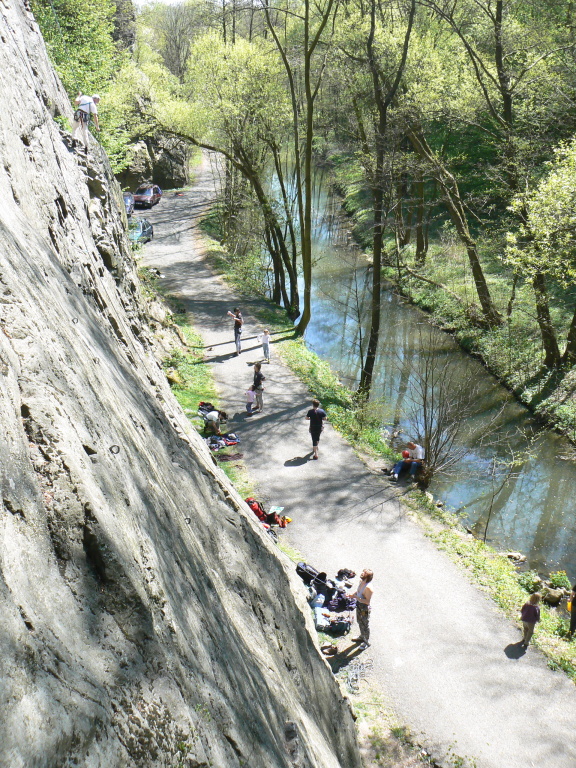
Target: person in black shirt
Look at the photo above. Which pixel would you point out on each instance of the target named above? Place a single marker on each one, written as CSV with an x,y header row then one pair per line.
x,y
258,386
238,323
316,418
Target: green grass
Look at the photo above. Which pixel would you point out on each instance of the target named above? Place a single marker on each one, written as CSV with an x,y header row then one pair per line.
x,y
196,383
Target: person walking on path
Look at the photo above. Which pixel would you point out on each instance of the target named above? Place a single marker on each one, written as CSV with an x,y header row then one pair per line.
x,y
86,109
259,378
363,596
265,338
316,417
238,323
250,395
530,616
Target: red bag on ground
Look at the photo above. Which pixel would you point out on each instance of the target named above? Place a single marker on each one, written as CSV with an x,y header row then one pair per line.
x,y
257,508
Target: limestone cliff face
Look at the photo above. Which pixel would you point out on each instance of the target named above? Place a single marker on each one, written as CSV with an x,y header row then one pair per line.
x,y
146,621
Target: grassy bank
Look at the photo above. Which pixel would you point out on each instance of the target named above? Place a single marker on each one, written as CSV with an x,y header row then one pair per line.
x,y
497,576
190,377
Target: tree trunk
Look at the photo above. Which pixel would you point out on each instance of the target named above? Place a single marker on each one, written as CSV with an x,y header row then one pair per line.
x,y
569,357
547,332
294,306
383,98
421,228
457,213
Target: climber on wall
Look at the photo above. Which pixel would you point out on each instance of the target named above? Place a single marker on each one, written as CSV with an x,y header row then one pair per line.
x,y
86,109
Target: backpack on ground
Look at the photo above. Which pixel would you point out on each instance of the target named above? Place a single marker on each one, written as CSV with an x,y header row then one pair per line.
x,y
339,626
307,573
258,509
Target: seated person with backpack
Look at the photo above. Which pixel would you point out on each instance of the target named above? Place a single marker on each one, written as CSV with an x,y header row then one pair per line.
x,y
412,460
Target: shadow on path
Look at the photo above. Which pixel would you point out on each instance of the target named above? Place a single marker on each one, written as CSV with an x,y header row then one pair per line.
x,y
515,650
297,461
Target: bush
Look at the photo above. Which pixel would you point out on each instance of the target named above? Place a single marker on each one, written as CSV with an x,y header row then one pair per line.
x,y
530,581
560,580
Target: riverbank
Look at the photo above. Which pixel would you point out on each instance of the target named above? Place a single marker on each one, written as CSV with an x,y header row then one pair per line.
x,y
511,352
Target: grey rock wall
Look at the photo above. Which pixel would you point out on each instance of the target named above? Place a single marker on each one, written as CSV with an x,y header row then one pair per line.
x,y
146,620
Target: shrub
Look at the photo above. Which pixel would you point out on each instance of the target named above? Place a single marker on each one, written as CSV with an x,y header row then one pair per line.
x,y
530,581
559,580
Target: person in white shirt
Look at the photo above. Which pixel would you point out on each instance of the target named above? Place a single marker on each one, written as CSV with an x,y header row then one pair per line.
x,y
413,461
266,344
86,110
212,421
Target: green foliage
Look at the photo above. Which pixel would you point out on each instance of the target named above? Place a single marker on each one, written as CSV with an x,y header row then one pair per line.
x,y
78,35
546,240
560,580
530,581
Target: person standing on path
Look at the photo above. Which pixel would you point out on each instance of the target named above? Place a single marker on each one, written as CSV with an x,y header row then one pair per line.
x,y
258,386
250,396
316,417
238,323
86,109
266,344
363,596
530,616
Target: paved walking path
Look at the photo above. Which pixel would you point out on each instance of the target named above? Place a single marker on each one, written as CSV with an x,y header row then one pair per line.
x,y
438,643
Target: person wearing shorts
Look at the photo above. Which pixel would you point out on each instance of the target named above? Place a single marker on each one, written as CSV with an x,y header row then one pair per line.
x,y
316,417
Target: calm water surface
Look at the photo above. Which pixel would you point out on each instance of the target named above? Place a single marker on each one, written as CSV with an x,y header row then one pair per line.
x,y
534,511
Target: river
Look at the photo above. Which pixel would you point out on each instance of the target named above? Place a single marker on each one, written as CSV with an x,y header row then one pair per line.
x,y
533,512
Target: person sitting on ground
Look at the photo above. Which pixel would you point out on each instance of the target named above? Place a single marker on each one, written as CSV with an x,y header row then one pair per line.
x,y
530,616
212,421
86,109
412,462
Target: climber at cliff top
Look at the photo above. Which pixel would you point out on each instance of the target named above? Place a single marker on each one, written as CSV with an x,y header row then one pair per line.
x,y
86,107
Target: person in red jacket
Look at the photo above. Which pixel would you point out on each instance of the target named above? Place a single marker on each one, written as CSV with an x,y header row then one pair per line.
x,y
530,616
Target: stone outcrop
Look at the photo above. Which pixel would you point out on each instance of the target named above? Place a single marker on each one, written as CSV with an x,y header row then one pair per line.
x,y
159,159
146,619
